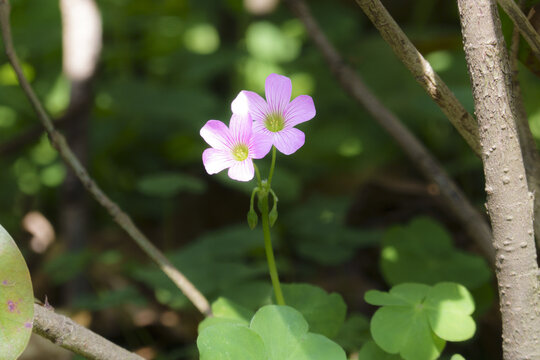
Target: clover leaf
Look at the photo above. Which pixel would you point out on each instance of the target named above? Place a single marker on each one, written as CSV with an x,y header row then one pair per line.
x,y
416,319
423,252
16,299
274,333
324,312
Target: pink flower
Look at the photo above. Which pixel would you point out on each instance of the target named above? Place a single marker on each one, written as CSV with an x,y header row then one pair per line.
x,y
276,117
233,147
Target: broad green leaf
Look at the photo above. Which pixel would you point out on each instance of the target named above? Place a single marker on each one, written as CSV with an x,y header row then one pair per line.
x,y
285,334
16,299
354,333
370,351
230,342
449,307
325,313
457,357
226,308
423,252
416,319
226,311
402,294
275,333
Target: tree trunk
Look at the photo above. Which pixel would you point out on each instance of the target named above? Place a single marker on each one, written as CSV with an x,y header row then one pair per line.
x,y
509,202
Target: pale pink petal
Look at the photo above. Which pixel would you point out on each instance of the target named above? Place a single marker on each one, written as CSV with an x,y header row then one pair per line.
x,y
216,134
240,104
278,92
241,128
215,160
255,104
242,170
299,110
259,128
287,141
260,146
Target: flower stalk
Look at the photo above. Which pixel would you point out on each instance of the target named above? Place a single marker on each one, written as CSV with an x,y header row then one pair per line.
x,y
263,206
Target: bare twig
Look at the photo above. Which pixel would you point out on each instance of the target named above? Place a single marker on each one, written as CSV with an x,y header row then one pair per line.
x,y
523,24
121,218
509,202
64,332
422,71
474,224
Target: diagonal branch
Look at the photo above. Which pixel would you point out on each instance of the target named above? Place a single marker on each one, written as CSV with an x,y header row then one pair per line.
x,y
474,224
422,71
440,93
523,24
121,218
64,332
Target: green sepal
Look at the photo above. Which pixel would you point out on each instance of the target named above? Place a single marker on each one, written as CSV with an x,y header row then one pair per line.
x,y
252,219
273,215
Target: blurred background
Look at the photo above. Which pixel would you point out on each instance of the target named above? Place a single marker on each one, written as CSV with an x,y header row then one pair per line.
x,y
132,108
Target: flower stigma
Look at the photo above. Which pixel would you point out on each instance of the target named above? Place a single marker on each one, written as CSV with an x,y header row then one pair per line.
x,y
240,152
274,122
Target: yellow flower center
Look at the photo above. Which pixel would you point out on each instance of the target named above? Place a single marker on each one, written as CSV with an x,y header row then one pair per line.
x,y
240,152
274,122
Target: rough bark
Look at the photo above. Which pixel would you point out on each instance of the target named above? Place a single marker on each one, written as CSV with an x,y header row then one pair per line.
x,y
64,332
509,202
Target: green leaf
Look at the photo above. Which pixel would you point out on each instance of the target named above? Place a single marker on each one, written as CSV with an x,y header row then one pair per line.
x,y
449,307
275,333
423,252
457,357
402,294
370,351
225,308
354,333
324,312
226,311
169,184
230,342
16,299
416,319
321,234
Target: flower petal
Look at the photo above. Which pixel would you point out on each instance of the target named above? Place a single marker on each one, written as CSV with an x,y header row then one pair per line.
x,y
287,141
215,160
251,102
242,170
241,127
278,92
299,110
260,146
216,134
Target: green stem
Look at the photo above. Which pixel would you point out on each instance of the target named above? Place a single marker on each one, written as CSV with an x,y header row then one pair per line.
x,y
258,173
272,166
263,202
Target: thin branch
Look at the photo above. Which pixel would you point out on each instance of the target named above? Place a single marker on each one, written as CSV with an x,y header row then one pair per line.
x,y
422,71
474,224
64,332
523,24
441,94
121,218
509,202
